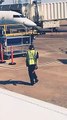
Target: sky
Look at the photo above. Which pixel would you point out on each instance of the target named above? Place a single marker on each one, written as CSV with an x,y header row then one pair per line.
x,y
53,1
46,1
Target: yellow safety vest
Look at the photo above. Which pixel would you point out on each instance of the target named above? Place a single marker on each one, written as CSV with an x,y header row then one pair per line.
x,y
31,57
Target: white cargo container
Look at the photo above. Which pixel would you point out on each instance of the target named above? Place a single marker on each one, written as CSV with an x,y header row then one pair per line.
x,y
51,24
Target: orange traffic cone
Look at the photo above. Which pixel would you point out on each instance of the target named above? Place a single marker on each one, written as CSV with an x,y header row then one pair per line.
x,y
12,59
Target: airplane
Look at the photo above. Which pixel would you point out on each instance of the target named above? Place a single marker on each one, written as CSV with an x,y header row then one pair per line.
x,y
10,17
14,106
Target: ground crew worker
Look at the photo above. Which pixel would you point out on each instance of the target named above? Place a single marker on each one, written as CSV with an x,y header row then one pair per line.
x,y
31,63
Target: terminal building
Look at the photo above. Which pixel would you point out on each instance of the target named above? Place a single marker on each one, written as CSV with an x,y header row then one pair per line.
x,y
40,13
47,15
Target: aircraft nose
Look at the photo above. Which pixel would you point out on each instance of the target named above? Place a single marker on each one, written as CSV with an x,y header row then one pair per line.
x,y
30,23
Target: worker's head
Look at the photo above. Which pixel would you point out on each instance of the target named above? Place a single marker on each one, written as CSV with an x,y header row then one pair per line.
x,y
31,47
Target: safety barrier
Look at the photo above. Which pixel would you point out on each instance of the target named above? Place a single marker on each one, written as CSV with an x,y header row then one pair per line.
x,y
16,30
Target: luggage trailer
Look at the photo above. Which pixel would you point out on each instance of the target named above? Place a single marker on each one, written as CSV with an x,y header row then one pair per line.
x,y
19,45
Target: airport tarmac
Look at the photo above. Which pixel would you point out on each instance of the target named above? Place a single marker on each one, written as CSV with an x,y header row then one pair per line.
x,y
52,71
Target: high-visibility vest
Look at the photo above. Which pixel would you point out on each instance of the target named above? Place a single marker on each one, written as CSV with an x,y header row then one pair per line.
x,y
31,57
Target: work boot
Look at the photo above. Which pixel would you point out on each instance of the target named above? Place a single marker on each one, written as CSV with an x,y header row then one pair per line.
x,y
32,82
36,80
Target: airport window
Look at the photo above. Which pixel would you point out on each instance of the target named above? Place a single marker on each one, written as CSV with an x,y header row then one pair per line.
x,y
16,16
21,16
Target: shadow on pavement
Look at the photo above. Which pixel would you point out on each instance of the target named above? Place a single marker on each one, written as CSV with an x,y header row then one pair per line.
x,y
14,82
64,61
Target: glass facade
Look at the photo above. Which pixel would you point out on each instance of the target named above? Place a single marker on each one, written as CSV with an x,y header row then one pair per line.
x,y
30,1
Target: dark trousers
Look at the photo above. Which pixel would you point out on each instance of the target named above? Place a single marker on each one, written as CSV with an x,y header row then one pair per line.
x,y
32,74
